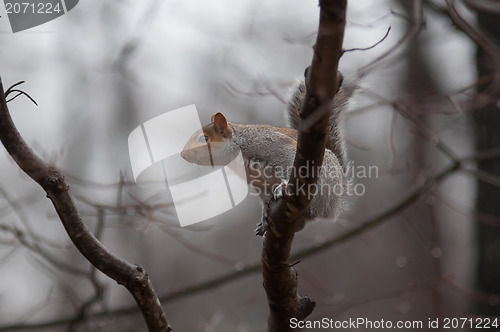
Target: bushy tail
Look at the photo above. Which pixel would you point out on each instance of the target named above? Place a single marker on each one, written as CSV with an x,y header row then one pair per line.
x,y
335,140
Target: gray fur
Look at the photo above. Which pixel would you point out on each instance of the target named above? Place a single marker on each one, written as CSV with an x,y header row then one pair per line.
x,y
335,140
266,147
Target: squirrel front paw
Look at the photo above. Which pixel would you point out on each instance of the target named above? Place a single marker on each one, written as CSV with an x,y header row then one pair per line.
x,y
279,191
261,227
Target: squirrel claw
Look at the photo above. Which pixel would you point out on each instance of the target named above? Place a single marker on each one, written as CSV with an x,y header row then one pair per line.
x,y
261,228
279,191
262,225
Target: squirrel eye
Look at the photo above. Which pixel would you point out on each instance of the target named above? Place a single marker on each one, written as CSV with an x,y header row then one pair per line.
x,y
203,139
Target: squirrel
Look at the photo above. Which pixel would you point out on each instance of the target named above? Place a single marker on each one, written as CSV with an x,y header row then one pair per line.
x,y
269,153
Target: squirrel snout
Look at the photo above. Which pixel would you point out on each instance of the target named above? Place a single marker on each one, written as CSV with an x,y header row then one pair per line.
x,y
183,155
189,155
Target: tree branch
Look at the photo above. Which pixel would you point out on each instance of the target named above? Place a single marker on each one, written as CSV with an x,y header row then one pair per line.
x,y
133,277
280,279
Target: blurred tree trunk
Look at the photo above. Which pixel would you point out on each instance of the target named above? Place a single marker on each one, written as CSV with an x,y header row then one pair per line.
x,y
419,82
487,127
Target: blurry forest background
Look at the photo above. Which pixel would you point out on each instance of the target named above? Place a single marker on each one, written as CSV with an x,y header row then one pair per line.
x,y
107,66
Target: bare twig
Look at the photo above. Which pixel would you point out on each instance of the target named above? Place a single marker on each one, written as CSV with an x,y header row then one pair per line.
x,y
370,47
9,90
19,92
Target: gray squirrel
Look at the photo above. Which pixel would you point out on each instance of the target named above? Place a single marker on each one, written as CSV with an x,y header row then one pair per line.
x,y
269,153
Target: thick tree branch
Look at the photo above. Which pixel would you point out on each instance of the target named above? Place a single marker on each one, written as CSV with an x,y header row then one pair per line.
x,y
133,277
280,279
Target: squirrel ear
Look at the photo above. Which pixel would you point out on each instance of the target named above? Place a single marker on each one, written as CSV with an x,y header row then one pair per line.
x,y
220,124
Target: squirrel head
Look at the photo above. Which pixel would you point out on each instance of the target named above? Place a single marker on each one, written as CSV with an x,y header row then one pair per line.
x,y
212,145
